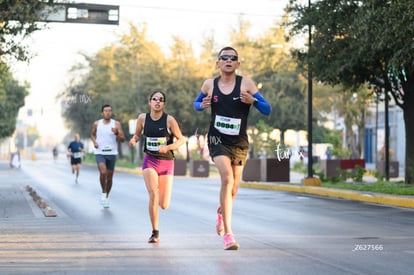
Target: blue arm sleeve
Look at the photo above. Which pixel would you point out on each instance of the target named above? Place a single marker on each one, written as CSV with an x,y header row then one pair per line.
x,y
198,102
262,105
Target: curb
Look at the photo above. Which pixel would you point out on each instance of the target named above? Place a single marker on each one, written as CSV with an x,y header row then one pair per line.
x,y
47,210
377,198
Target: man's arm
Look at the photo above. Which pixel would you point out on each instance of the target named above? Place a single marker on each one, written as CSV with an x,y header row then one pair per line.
x,y
118,132
250,94
203,99
93,134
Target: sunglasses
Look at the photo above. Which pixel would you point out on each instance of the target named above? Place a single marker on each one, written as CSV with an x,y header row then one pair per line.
x,y
158,98
225,57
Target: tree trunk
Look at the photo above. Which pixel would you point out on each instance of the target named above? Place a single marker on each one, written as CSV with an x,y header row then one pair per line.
x,y
350,139
361,136
409,129
282,137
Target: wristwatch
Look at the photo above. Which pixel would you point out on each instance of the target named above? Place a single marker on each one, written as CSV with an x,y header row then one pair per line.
x,y
255,101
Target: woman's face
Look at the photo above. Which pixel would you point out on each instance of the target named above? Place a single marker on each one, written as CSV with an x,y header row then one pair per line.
x,y
157,101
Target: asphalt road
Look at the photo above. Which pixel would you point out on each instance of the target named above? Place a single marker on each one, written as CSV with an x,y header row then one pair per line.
x,y
279,232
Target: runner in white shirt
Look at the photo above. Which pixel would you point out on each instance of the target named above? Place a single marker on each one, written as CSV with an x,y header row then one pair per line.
x,y
105,134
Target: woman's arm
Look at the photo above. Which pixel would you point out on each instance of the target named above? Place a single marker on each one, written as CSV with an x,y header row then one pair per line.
x,y
176,131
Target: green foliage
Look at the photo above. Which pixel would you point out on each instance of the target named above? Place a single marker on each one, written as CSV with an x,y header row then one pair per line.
x,y
12,96
124,74
299,167
320,134
359,173
266,59
384,187
343,175
347,50
123,162
18,19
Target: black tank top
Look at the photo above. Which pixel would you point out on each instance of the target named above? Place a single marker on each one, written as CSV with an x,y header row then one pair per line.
x,y
156,133
228,117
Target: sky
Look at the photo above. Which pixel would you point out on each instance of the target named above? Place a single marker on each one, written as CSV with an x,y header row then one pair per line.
x,y
57,48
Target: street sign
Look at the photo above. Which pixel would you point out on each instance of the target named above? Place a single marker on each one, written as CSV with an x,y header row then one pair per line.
x,y
81,13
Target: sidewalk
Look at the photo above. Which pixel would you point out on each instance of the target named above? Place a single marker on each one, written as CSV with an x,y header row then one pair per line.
x,y
15,200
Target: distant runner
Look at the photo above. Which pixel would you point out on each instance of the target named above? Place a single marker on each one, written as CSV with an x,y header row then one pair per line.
x,y
76,150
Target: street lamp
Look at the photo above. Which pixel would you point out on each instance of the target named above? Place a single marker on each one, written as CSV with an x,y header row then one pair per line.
x,y
310,180
310,114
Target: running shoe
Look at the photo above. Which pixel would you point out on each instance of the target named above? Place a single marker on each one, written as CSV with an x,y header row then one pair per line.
x,y
155,237
105,203
219,224
103,197
230,243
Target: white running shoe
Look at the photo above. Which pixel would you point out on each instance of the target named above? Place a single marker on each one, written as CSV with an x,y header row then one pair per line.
x,y
106,203
103,197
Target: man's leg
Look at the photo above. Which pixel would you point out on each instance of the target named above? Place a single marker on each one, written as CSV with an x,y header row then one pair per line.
x,y
102,175
224,167
237,173
110,167
77,169
230,177
109,176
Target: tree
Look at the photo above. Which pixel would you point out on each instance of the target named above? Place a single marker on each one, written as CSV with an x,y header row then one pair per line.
x,y
125,73
12,96
18,19
122,75
347,49
273,69
184,78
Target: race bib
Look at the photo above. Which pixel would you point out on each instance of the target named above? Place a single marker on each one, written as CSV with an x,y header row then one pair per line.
x,y
227,125
77,155
154,143
107,149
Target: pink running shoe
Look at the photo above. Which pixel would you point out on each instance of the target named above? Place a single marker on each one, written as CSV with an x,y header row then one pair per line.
x,y
230,243
219,224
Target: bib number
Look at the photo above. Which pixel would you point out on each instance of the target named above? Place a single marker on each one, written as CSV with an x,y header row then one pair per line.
x,y
227,125
154,143
77,155
107,149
